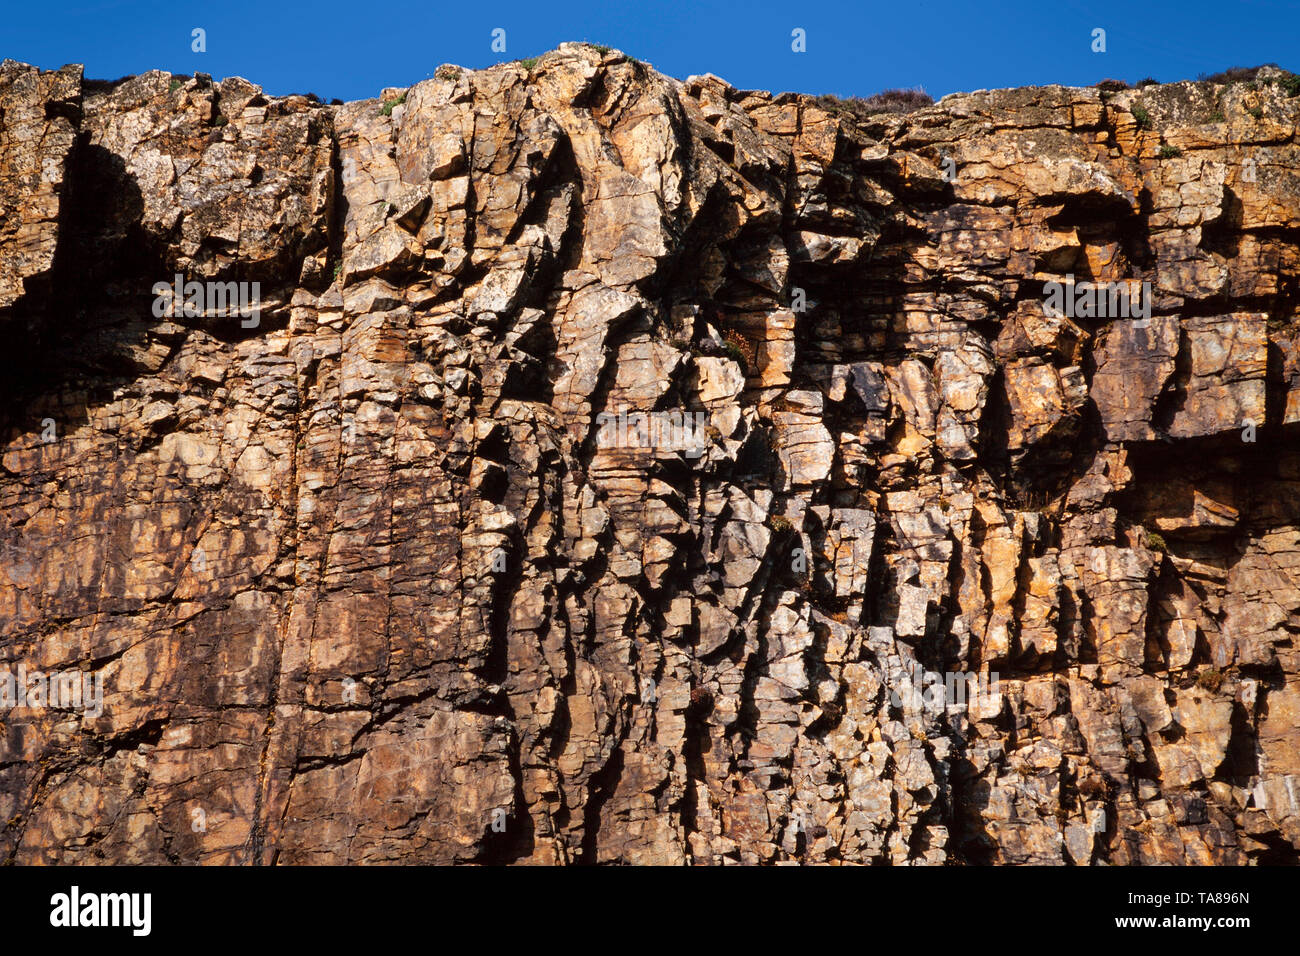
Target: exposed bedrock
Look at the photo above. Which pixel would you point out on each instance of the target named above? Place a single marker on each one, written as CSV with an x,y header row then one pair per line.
x,y
616,467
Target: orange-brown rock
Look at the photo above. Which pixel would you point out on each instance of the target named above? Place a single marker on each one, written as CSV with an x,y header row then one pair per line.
x,y
421,567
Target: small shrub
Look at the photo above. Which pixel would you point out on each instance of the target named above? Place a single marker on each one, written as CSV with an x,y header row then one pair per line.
x,y
447,72
1211,679
1256,112
780,524
1112,86
1169,152
701,698
174,85
888,101
901,101
220,120
529,62
1147,81
1092,788
1233,74
1290,84
601,48
1142,116
734,346
1217,117
1156,543
387,108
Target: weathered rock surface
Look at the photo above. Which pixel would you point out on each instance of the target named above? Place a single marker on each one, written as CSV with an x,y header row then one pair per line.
x,y
367,581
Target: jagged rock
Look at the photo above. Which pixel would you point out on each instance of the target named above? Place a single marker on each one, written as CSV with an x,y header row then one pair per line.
x,y
41,112
642,471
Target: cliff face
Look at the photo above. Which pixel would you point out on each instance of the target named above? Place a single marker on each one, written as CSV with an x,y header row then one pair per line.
x,y
393,570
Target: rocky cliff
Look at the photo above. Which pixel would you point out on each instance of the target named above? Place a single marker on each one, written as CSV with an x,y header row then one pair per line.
x,y
619,469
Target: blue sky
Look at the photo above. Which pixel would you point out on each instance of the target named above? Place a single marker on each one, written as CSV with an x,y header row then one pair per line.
x,y
351,49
